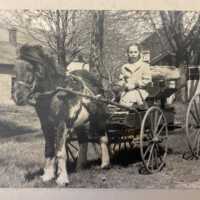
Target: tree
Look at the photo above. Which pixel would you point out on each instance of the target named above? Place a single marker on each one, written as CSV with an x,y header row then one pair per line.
x,y
97,43
121,29
55,29
182,31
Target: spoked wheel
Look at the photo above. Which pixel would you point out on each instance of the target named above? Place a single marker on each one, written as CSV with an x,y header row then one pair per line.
x,y
72,150
193,125
154,140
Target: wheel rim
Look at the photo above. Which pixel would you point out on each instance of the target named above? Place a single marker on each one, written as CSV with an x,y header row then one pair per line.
x,y
154,140
193,125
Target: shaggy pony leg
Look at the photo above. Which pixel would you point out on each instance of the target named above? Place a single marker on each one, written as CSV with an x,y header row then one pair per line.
x,y
82,159
105,158
61,157
83,147
49,170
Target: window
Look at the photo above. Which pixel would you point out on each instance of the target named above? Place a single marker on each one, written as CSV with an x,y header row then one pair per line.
x,y
13,79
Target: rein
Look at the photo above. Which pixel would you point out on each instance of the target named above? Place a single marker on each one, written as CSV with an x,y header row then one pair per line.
x,y
96,98
88,93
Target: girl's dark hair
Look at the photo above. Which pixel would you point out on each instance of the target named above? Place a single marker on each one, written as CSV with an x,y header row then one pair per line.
x,y
134,44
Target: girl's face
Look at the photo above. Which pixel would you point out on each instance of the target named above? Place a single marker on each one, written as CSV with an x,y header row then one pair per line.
x,y
133,54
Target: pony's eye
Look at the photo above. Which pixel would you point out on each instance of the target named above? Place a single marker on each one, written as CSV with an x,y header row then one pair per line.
x,y
29,78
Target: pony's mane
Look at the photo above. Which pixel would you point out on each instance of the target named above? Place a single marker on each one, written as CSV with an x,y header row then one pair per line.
x,y
43,60
36,54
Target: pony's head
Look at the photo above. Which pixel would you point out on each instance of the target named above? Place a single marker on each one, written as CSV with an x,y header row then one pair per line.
x,y
25,83
36,72
30,72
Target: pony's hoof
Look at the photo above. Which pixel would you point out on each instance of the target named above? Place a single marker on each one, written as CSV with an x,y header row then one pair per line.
x,y
46,178
105,166
62,181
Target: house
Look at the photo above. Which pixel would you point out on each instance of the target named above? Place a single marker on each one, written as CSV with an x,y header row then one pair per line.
x,y
8,45
156,49
9,40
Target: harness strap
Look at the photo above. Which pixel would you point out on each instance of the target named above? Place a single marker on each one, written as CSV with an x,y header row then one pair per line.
x,y
77,114
24,84
72,120
86,107
86,91
143,100
83,83
88,110
29,86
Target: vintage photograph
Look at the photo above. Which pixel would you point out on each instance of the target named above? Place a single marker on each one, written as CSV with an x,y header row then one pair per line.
x,y
100,99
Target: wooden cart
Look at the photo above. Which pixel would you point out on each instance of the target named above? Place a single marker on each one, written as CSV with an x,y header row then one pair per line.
x,y
145,127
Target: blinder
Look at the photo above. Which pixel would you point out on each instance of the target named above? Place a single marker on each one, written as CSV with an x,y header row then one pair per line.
x,y
31,87
28,86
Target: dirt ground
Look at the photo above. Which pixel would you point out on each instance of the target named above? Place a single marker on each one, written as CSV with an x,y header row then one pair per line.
x,y
22,147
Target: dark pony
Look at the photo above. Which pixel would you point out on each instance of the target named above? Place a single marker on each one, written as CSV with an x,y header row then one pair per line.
x,y
61,113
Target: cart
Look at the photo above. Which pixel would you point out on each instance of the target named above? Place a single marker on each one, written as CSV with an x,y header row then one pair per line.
x,y
145,127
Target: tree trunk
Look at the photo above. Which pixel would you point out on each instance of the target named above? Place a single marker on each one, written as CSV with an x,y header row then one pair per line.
x,y
60,41
96,50
61,56
172,22
181,94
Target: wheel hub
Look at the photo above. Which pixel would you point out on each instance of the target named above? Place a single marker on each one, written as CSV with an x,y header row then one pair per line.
x,y
155,139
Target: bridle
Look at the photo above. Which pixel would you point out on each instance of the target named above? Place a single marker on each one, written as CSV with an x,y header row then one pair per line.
x,y
31,98
31,87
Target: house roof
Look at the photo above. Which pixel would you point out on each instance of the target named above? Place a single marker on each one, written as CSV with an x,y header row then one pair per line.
x,y
158,45
144,36
159,57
